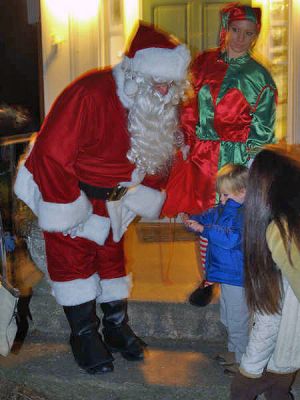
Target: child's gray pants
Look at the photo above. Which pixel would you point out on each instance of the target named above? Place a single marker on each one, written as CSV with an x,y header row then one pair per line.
x,y
234,315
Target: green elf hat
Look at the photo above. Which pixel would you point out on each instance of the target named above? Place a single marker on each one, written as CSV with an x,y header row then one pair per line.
x,y
237,12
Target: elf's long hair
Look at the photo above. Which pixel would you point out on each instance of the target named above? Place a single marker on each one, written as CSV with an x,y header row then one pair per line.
x,y
273,194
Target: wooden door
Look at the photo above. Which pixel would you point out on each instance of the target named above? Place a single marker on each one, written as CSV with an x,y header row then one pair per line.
x,y
194,22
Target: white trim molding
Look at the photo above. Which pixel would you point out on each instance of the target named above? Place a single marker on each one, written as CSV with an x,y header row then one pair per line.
x,y
293,122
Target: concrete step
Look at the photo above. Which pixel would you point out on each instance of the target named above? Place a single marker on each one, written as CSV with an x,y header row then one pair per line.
x,y
148,319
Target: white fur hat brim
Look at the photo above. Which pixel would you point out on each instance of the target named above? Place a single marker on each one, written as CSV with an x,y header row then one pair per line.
x,y
168,64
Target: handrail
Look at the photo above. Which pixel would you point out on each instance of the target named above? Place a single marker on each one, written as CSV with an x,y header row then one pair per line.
x,y
15,138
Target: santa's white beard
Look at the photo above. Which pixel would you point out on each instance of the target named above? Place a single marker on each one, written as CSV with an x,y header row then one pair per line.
x,y
152,123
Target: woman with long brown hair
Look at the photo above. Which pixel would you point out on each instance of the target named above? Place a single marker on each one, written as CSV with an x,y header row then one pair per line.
x,y
272,275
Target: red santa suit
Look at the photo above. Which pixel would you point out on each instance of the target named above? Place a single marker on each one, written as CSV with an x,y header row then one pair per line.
x,y
88,146
84,141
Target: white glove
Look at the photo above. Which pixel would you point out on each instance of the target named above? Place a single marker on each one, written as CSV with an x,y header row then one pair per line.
x,y
139,200
137,177
120,217
73,232
144,201
96,228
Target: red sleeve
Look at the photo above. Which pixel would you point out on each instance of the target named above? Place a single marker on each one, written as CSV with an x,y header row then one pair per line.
x,y
52,160
191,185
188,119
189,113
198,69
157,182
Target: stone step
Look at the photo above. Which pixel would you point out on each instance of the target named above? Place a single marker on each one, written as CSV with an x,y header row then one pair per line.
x,y
154,319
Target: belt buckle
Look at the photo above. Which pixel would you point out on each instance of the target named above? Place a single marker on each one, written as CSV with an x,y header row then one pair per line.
x,y
117,193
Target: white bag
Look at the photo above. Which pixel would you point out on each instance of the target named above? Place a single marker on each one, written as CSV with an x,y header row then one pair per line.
x,y
8,324
8,303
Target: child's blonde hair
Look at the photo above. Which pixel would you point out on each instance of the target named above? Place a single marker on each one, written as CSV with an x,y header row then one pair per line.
x,y
233,178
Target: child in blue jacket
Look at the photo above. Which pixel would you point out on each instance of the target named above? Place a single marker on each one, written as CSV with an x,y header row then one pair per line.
x,y
223,227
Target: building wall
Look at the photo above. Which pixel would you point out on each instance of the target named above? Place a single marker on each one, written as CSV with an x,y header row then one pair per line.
x,y
19,84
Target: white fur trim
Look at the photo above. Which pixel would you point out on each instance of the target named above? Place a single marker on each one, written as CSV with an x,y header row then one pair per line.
x,y
26,189
169,64
78,291
52,217
96,229
59,217
115,289
119,76
144,201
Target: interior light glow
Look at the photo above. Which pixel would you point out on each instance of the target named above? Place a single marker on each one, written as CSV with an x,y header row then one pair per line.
x,y
81,10
58,9
131,16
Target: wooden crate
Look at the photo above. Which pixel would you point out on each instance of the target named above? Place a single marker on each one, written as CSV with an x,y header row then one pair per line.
x,y
150,232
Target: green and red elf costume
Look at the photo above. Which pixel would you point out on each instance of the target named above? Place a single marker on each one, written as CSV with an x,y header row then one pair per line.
x,y
230,117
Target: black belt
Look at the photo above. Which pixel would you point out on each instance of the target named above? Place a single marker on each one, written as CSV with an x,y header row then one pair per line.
x,y
100,193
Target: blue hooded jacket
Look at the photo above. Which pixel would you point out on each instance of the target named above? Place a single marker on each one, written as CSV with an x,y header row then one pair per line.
x,y
223,227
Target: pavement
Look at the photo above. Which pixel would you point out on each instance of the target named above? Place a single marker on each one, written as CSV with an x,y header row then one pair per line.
x,y
182,339
179,362
172,370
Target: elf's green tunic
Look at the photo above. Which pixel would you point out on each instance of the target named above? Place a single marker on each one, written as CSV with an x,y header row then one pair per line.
x,y
233,114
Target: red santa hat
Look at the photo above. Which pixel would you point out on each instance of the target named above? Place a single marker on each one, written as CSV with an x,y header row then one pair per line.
x,y
157,54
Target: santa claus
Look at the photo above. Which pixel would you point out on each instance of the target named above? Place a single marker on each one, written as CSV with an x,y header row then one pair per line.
x,y
101,158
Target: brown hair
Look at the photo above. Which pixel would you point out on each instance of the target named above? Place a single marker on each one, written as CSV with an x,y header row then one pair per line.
x,y
233,177
273,194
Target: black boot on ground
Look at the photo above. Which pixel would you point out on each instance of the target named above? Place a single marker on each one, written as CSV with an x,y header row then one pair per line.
x,y
117,334
23,314
88,349
202,296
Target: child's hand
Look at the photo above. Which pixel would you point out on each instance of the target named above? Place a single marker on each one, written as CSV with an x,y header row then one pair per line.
x,y
194,225
183,216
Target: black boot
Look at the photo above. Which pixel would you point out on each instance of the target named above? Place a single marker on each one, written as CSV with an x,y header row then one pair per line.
x,y
202,296
23,314
89,351
117,334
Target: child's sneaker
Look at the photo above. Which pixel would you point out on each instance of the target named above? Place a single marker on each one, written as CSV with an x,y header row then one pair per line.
x,y
227,358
